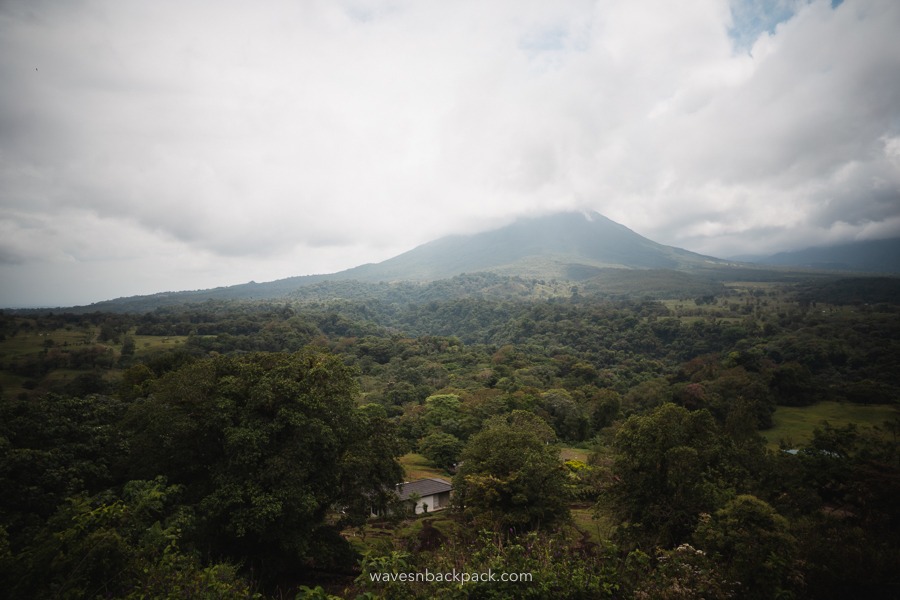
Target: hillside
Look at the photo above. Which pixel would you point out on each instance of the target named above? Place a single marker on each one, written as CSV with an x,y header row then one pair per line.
x,y
568,245
869,256
137,439
536,258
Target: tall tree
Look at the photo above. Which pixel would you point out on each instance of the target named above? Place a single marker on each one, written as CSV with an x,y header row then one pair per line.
x,y
668,471
753,543
117,544
52,447
442,449
511,475
264,445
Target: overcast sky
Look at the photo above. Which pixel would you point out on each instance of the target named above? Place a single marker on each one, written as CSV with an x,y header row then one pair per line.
x,y
163,145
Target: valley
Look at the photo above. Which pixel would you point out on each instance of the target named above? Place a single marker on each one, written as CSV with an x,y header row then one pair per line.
x,y
606,434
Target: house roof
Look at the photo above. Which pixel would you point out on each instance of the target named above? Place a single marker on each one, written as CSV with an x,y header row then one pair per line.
x,y
423,487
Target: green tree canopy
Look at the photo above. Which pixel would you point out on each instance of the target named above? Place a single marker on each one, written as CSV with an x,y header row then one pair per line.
x,y
264,444
123,544
444,412
753,543
442,449
667,470
52,447
511,475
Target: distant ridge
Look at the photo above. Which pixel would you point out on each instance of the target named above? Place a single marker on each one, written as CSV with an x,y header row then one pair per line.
x,y
870,256
568,246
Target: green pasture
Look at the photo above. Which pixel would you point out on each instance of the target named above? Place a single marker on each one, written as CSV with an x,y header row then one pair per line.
x,y
150,343
795,424
33,343
417,466
598,525
754,285
24,343
569,453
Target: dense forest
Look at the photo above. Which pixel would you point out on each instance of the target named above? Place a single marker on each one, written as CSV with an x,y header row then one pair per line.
x,y
608,445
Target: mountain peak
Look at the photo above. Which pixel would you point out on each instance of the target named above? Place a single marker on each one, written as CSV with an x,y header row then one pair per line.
x,y
555,245
570,246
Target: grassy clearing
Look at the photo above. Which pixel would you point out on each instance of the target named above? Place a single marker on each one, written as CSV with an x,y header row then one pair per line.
x,y
10,382
25,343
597,526
440,520
795,424
32,345
569,453
380,536
674,305
149,343
768,286
417,466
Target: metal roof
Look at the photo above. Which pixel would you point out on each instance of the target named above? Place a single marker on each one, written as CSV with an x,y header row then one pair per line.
x,y
423,487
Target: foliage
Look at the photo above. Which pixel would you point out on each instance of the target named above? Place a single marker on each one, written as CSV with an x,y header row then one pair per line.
x,y
536,565
51,448
368,469
124,546
275,424
754,545
264,445
669,468
511,475
683,573
442,449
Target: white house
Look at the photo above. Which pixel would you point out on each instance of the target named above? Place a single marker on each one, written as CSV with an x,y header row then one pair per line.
x,y
430,494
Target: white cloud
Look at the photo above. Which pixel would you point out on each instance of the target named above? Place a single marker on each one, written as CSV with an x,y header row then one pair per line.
x,y
260,141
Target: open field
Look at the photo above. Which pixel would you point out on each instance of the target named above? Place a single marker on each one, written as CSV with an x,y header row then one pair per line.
x,y
417,466
34,347
149,343
24,343
33,342
599,526
795,424
569,453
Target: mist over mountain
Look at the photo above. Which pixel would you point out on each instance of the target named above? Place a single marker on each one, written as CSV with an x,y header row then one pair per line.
x,y
570,246
869,256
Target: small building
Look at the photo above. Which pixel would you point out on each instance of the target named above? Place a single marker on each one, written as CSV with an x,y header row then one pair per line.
x,y
429,494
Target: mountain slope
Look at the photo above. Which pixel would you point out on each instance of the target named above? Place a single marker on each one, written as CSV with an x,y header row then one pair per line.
x,y
564,245
873,256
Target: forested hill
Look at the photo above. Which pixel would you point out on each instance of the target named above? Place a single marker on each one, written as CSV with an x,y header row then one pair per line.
x,y
614,283
531,258
610,447
871,256
566,247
